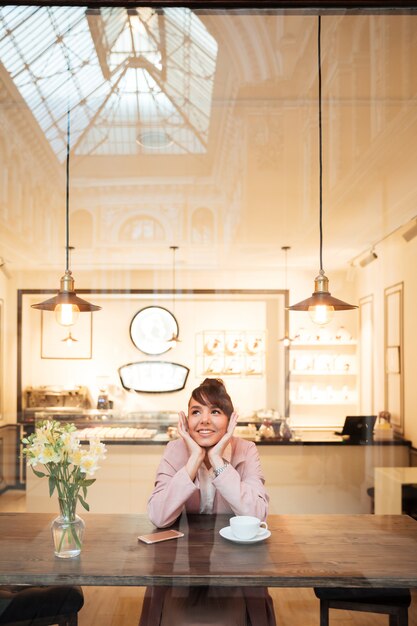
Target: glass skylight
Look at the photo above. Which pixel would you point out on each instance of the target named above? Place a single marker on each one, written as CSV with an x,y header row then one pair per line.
x,y
137,80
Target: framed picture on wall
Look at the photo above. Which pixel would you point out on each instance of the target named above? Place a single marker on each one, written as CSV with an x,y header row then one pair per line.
x,y
60,342
366,355
393,340
393,360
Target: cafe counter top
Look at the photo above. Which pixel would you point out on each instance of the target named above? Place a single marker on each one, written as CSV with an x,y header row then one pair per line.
x,y
318,472
140,436
150,428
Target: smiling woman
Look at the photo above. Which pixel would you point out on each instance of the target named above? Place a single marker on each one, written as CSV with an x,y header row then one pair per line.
x,y
209,411
206,471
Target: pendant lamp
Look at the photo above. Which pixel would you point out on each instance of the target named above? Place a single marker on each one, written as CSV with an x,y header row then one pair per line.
x,y
175,338
321,305
66,304
286,339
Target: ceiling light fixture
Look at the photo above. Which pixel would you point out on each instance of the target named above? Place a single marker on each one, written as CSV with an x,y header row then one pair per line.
x,y
321,305
154,139
3,268
368,258
286,339
175,338
410,233
66,304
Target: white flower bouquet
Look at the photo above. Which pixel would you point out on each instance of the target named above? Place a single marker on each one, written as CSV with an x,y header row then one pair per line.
x,y
68,466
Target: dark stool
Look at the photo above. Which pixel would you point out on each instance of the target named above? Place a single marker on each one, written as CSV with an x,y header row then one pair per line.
x,y
392,602
40,606
409,499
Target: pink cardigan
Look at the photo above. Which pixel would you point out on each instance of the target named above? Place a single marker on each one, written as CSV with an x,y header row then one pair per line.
x,y
239,490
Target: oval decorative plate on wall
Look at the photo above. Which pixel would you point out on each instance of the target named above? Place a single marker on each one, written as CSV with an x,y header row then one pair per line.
x,y
152,330
153,376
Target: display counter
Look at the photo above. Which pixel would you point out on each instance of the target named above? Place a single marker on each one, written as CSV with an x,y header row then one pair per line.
x,y
113,427
317,472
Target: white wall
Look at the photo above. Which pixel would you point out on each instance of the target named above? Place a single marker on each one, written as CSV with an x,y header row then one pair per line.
x,y
396,263
112,348
121,350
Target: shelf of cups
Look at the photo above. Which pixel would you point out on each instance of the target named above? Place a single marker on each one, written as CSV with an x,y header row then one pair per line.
x,y
237,366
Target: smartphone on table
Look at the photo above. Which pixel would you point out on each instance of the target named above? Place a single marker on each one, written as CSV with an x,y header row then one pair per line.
x,y
163,535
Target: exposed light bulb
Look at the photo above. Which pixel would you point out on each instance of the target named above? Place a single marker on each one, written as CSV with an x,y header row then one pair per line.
x,y
66,314
321,314
286,342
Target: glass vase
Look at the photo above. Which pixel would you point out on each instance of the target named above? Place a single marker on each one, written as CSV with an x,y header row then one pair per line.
x,y
67,531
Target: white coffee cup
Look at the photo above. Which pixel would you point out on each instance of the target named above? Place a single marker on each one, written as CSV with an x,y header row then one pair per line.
x,y
246,526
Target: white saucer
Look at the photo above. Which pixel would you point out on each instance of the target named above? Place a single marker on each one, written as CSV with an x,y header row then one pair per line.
x,y
227,534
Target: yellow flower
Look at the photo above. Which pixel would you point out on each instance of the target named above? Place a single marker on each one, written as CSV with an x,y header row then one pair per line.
x,y
49,455
88,464
69,442
66,463
97,449
75,456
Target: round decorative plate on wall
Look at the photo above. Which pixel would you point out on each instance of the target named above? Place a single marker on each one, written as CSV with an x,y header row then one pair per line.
x,y
152,330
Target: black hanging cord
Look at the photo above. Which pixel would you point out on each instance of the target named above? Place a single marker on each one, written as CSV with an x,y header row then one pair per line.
x,y
67,246
320,147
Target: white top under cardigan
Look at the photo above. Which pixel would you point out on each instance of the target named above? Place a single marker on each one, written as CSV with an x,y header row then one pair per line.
x,y
204,481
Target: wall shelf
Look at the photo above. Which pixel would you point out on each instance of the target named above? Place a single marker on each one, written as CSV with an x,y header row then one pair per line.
x,y
234,353
323,373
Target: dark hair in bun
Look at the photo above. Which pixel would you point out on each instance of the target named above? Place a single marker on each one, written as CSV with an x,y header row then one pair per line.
x,y
212,392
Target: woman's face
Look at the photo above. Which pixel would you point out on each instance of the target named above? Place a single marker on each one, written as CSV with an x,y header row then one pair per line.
x,y
206,424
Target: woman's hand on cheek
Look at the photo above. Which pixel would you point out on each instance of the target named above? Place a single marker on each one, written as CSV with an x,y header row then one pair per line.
x,y
197,453
184,433
215,454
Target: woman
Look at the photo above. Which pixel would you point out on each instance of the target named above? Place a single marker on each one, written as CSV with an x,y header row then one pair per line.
x,y
207,470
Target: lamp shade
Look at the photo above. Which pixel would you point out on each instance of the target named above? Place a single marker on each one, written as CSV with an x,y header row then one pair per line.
x,y
69,298
66,304
322,297
321,304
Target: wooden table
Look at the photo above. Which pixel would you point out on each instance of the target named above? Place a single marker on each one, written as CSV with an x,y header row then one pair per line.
x,y
388,488
303,551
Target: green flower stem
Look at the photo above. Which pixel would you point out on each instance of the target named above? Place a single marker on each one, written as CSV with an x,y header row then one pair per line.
x,y
53,440
67,509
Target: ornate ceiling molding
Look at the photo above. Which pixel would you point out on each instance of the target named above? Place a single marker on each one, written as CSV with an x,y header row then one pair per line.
x,y
17,113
